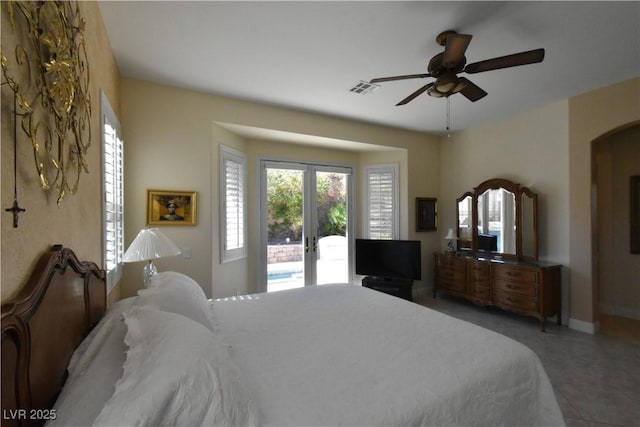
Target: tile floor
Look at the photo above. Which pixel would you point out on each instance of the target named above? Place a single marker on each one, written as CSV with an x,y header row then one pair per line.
x,y
596,377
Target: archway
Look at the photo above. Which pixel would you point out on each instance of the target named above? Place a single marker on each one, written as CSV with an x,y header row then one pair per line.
x,y
615,158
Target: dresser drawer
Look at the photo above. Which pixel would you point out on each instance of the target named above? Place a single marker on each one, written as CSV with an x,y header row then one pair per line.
x,y
478,271
449,263
479,281
516,274
457,286
515,302
452,275
451,269
480,295
527,289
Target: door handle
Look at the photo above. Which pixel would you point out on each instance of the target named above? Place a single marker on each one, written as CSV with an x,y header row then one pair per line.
x,y
315,245
306,245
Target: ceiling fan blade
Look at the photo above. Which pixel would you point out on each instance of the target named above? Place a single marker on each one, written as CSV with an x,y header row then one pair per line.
x,y
415,94
408,76
471,91
522,58
454,49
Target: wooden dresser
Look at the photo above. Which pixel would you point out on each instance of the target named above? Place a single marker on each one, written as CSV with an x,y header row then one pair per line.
x,y
531,288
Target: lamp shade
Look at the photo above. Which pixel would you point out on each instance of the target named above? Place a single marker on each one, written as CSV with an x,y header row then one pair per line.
x,y
451,235
150,243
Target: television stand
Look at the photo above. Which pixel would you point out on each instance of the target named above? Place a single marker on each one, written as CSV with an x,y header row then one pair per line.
x,y
393,286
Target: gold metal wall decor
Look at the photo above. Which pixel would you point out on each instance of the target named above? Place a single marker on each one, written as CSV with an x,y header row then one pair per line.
x,y
49,75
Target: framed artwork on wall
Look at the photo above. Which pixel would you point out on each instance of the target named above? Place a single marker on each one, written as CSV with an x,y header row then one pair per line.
x,y
426,214
169,207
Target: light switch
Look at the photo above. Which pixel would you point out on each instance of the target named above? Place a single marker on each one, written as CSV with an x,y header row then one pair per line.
x,y
186,253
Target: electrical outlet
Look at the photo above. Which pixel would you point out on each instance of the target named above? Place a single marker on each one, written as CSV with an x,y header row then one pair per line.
x,y
186,253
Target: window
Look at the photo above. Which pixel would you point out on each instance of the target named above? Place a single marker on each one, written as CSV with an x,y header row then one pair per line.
x,y
233,169
381,213
113,200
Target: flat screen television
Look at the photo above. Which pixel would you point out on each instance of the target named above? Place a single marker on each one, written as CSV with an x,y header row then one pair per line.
x,y
487,243
389,259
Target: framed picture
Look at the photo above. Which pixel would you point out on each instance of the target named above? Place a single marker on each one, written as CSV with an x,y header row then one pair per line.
x,y
426,214
171,207
634,202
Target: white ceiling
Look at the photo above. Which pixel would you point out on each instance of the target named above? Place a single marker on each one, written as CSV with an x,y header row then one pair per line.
x,y
307,55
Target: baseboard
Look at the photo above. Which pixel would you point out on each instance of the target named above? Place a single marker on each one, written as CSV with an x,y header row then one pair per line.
x,y
582,326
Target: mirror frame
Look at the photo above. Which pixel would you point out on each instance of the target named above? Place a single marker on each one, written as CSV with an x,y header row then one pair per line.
x,y
518,192
524,191
458,200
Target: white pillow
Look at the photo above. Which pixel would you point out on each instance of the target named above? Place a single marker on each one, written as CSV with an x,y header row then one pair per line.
x,y
177,373
96,365
167,277
176,293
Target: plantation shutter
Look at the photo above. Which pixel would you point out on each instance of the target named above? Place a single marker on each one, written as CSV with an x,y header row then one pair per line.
x,y
234,205
381,207
233,184
113,204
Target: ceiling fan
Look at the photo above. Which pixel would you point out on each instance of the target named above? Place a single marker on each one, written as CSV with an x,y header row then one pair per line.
x,y
445,66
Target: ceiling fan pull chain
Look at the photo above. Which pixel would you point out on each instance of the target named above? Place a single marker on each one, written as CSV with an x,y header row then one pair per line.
x,y
448,118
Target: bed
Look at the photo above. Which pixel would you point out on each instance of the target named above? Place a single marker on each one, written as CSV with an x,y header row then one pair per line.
x,y
322,355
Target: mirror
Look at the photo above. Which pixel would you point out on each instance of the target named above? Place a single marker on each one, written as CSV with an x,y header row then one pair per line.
x,y
497,221
498,218
465,222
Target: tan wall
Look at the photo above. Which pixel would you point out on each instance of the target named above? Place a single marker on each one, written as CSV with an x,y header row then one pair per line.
x,y
170,129
591,115
549,150
618,158
230,278
76,223
530,149
170,139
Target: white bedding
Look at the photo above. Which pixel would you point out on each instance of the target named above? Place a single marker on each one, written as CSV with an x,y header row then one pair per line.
x,y
346,355
177,373
330,355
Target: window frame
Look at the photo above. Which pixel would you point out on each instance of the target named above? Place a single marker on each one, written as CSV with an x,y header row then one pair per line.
x,y
228,154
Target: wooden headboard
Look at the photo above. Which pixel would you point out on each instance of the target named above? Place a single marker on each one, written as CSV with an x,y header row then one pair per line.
x,y
41,327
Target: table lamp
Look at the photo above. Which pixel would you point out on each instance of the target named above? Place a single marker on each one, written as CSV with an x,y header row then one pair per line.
x,y
451,236
148,245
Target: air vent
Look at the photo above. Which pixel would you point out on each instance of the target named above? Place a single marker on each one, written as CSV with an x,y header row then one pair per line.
x,y
364,88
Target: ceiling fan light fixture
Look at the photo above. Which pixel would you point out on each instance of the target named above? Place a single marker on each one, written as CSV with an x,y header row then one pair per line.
x,y
433,91
461,85
446,85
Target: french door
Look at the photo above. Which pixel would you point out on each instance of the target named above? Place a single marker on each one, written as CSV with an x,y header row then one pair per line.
x,y
305,223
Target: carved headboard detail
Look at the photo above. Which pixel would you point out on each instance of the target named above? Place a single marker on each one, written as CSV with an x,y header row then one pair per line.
x,y
41,327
